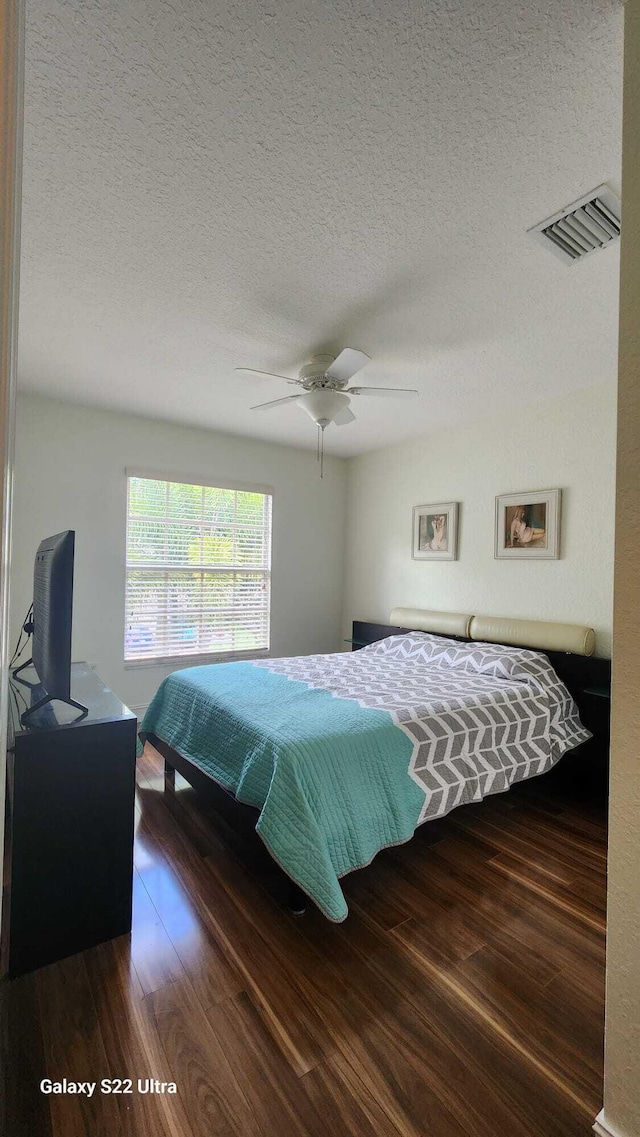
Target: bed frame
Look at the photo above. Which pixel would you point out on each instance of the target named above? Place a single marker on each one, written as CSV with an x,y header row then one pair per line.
x,y
228,806
586,677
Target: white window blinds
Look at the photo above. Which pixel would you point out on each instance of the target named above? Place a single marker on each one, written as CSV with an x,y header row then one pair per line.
x,y
198,570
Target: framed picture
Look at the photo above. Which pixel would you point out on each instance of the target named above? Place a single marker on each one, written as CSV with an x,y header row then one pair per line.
x,y
528,525
435,532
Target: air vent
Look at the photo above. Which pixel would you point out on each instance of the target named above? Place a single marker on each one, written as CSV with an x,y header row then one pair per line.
x,y
591,223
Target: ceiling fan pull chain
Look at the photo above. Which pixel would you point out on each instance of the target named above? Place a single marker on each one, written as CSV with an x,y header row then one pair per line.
x,y
318,444
321,451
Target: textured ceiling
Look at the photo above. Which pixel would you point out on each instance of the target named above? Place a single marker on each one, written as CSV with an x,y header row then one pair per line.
x,y
208,185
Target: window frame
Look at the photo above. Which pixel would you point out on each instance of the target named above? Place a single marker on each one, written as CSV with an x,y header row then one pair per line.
x,y
198,658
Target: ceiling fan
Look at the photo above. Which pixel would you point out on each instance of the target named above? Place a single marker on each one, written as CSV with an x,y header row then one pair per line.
x,y
325,394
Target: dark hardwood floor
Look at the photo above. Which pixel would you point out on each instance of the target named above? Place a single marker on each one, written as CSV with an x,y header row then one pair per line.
x,y
462,996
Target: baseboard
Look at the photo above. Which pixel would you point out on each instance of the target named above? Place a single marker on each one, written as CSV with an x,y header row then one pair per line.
x,y
603,1129
139,711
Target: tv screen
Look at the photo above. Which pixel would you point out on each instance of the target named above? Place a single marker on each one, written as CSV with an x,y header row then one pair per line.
x,y
52,610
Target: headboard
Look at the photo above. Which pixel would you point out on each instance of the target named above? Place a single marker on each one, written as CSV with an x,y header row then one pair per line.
x,y
541,635
440,623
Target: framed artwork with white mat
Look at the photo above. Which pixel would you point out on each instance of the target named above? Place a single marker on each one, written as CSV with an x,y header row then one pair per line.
x,y
528,525
435,532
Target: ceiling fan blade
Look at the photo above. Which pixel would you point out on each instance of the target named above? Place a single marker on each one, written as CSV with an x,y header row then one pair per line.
x,y
383,392
344,417
265,374
275,403
346,364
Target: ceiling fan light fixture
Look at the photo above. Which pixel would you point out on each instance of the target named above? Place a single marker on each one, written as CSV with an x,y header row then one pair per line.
x,y
323,405
325,394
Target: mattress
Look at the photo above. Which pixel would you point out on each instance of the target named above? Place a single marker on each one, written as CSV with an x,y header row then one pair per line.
x,y
345,754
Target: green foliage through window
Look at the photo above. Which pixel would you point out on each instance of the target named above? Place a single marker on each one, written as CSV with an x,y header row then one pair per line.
x,y
198,569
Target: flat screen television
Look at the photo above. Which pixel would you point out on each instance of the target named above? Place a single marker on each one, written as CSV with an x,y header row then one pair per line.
x,y
52,615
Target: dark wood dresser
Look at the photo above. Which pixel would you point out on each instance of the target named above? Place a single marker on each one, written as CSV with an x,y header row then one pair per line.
x,y
69,831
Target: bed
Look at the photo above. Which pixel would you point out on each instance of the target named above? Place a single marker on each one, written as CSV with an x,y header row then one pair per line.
x,y
345,754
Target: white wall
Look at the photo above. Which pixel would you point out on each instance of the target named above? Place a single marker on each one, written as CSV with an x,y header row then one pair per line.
x,y
11,114
621,1115
568,443
70,474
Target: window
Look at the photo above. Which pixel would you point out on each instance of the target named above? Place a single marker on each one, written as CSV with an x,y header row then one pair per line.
x,y
198,570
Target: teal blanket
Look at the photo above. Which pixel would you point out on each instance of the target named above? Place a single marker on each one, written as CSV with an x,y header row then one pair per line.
x,y
345,754
309,762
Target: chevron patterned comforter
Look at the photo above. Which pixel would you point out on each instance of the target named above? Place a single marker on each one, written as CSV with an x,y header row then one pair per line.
x,y
346,754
